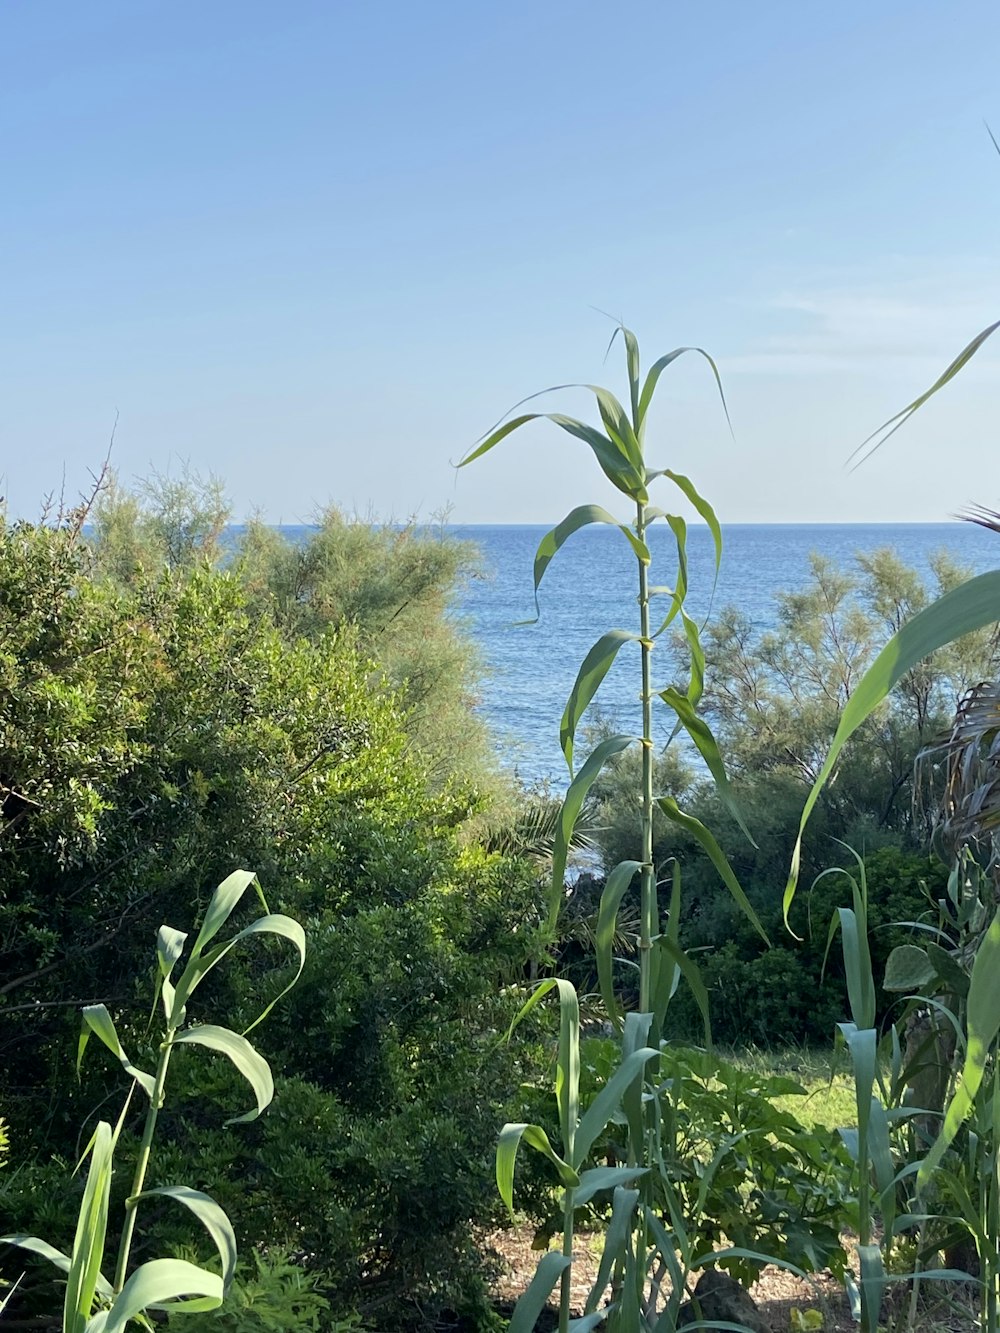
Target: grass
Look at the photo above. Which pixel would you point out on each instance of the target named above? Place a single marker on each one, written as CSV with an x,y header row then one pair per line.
x,y
826,1078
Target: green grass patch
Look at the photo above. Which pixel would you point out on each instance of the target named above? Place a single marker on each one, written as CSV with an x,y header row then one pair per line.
x,y
826,1078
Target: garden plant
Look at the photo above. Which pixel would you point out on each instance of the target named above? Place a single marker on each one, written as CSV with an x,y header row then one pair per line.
x,y
94,1303
649,1240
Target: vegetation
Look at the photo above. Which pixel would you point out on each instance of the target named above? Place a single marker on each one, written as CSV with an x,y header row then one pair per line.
x,y
155,729
174,701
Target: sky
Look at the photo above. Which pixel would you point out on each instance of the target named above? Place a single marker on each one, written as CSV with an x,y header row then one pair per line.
x,y
318,248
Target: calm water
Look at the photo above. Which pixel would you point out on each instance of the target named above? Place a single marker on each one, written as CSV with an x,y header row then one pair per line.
x,y
590,588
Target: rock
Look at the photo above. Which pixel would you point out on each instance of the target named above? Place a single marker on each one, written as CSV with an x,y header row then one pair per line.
x,y
722,1298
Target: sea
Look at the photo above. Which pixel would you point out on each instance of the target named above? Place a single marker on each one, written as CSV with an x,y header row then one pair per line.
x,y
590,587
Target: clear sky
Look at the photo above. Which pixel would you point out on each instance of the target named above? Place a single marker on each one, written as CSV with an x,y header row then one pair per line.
x,y
318,247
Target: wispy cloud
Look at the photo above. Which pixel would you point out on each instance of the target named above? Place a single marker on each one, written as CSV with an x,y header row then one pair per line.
x,y
879,326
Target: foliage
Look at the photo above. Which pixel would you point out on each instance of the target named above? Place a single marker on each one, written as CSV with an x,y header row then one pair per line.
x,y
277,1296
92,1304
155,727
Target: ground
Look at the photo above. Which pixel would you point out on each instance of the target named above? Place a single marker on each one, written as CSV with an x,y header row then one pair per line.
x,y
776,1294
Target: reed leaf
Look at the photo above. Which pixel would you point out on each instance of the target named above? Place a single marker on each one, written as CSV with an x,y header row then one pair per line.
x,y
581,517
249,1062
964,609
593,669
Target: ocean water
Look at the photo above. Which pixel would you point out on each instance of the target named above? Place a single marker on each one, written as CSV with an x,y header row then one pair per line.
x,y
589,588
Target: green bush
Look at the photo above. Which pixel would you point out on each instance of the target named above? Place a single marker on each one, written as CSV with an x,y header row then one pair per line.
x,y
157,727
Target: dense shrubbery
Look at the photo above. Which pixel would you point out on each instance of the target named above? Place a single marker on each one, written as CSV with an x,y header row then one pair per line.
x,y
158,725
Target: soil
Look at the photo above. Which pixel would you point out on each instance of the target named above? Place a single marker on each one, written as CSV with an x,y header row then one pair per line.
x,y
776,1293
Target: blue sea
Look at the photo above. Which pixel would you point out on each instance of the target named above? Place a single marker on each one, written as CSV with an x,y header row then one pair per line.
x,y
590,588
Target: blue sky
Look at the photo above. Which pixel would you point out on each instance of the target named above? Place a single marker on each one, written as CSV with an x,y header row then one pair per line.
x,y
318,248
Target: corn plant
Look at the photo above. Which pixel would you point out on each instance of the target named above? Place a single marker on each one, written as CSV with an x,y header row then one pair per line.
x,y
94,1303
647,1239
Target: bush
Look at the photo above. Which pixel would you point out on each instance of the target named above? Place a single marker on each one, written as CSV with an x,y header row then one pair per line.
x,y
155,730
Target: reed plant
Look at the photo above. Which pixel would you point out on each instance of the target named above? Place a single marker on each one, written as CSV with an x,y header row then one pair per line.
x,y
94,1303
648,1251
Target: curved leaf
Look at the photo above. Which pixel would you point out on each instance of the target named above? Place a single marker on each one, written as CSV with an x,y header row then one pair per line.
x,y
608,1100
908,969
600,1178
96,1019
702,507
275,923
251,1065
889,428
692,975
163,1281
983,1025
221,906
593,669
716,855
535,1137
967,607
701,734
576,519
211,1216
657,369
570,813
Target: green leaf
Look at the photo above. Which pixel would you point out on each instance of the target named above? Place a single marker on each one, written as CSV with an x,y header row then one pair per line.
x,y
250,1064
570,812
701,507
889,428
162,1281
62,1261
607,916
657,369
84,1276
578,518
692,975
535,1137
600,1178
677,595
540,1288
857,964
611,457
96,1019
983,1025
616,1240
908,969
211,1216
568,1061
701,733
169,947
221,906
608,1101
285,927
592,671
965,608
716,855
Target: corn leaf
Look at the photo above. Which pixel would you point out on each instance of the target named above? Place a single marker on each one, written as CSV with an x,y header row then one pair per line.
x,y
657,369
84,1276
716,855
96,1019
607,916
608,1101
965,608
531,1304
593,669
983,1025
162,1281
578,518
535,1137
211,1216
570,812
250,1064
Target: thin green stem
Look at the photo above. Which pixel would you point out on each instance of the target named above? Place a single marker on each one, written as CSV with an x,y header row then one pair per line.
x,y
648,887
139,1176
